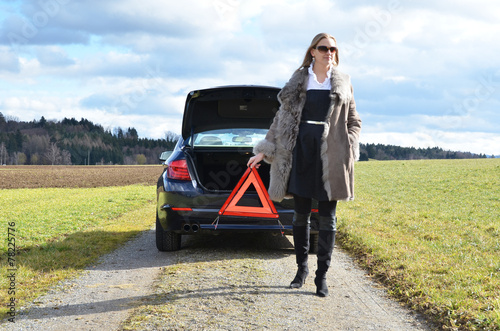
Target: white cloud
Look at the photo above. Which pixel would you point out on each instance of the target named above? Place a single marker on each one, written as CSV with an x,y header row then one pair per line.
x,y
418,68
9,62
53,56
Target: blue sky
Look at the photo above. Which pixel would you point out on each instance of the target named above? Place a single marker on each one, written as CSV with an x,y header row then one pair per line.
x,y
425,73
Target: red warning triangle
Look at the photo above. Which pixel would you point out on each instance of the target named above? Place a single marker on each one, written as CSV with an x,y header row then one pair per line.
x,y
230,207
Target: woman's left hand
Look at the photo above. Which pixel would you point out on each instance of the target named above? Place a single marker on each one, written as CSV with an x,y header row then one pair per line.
x,y
254,160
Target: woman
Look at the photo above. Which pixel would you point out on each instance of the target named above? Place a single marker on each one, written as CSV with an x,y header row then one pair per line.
x,y
312,145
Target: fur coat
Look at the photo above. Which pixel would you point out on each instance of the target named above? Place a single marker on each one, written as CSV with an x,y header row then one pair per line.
x,y
340,140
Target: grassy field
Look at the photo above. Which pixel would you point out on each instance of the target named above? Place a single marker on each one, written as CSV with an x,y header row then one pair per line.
x,y
60,231
430,230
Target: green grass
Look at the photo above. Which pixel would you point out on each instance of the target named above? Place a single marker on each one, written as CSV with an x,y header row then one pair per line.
x,y
58,232
431,231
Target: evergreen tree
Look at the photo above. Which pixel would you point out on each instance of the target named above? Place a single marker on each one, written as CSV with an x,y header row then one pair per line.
x,y
2,120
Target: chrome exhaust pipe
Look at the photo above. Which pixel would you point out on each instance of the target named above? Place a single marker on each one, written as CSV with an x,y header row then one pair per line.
x,y
187,227
195,227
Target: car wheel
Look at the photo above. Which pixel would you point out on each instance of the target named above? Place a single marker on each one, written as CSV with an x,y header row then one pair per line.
x,y
313,242
166,241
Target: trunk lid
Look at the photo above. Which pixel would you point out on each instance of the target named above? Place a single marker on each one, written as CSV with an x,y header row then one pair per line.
x,y
229,107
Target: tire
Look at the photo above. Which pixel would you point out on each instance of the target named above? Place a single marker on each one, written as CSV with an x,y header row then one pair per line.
x,y
313,242
167,241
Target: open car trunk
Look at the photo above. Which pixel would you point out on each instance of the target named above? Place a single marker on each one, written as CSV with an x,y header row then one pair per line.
x,y
219,169
221,126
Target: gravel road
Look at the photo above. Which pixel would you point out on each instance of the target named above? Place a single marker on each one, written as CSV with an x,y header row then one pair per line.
x,y
103,296
214,283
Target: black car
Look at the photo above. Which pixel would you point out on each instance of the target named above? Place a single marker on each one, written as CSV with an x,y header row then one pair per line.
x,y
220,127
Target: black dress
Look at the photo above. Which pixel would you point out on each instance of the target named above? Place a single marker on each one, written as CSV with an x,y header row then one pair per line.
x,y
306,178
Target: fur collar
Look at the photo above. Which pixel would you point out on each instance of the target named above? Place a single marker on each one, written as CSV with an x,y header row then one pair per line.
x,y
341,85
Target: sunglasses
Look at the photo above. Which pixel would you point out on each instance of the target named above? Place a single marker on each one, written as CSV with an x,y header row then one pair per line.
x,y
324,49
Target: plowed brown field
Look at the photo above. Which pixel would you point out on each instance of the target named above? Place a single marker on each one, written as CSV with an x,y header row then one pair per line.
x,y
12,177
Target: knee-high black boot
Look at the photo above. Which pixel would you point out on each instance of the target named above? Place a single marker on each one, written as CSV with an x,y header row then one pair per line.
x,y
326,241
301,245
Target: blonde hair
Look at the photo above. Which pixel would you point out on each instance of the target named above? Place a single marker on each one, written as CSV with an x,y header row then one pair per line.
x,y
308,57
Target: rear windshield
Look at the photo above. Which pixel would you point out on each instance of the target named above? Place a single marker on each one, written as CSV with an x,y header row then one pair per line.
x,y
244,137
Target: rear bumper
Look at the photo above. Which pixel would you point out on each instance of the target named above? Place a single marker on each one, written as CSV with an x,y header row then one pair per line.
x,y
190,212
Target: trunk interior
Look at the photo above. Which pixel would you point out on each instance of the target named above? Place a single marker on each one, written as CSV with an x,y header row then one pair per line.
x,y
221,169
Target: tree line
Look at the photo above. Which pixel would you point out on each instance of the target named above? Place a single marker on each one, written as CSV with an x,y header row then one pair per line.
x,y
69,141
390,152
73,142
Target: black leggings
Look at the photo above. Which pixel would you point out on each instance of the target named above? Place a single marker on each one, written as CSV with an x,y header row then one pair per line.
x,y
325,208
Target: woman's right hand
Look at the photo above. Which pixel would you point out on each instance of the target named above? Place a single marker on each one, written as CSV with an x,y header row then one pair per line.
x,y
254,160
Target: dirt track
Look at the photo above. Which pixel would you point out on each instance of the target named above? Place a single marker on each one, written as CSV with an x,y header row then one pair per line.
x,y
123,284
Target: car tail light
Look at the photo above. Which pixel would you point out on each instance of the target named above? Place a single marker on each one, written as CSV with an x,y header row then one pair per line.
x,y
178,170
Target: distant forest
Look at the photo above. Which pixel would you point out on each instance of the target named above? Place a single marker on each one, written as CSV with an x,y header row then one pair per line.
x,y
73,142
389,152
